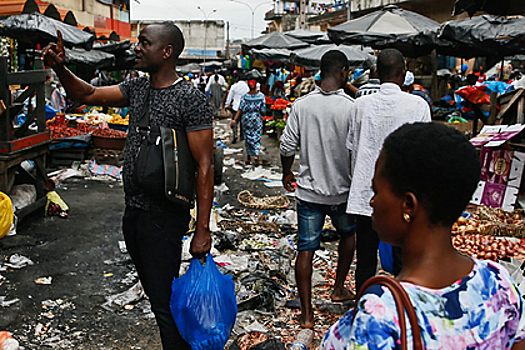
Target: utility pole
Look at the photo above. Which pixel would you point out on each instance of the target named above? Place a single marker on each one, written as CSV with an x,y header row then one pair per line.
x,y
228,40
349,13
302,14
205,31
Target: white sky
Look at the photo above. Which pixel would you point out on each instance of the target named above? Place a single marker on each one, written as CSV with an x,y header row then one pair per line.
x,y
239,15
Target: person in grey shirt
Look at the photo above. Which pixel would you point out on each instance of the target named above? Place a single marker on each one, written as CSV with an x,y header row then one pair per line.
x,y
318,125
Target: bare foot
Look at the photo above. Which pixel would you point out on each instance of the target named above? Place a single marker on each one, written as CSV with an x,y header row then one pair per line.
x,y
342,295
307,321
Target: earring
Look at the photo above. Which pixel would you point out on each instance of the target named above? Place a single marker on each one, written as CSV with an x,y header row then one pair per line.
x,y
406,217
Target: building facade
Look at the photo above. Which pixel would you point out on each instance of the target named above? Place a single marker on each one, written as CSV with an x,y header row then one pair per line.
x,y
204,38
101,16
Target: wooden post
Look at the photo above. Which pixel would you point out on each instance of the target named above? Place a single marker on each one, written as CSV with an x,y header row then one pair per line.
x,y
434,93
5,96
493,107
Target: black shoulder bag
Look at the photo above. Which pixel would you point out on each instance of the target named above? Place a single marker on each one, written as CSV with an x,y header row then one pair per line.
x,y
165,167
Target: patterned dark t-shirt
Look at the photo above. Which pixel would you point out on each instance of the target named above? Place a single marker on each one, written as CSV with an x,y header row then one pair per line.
x,y
179,106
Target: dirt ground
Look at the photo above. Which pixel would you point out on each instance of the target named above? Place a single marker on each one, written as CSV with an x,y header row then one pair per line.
x,y
82,255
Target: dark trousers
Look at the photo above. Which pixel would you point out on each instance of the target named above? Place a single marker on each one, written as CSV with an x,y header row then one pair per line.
x,y
366,245
154,241
239,126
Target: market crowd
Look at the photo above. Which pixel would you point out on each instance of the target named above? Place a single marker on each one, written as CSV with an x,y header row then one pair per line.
x,y
370,158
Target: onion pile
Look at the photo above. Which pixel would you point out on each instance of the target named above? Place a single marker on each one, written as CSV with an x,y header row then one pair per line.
x,y
462,225
487,247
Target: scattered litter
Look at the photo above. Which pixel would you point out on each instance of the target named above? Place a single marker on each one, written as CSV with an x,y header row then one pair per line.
x,y
255,327
105,169
44,280
289,217
4,303
119,300
221,188
273,184
122,247
261,173
108,274
230,151
276,202
64,174
17,261
23,195
229,162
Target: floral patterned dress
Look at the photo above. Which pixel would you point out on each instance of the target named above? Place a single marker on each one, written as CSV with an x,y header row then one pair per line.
x,y
482,311
252,107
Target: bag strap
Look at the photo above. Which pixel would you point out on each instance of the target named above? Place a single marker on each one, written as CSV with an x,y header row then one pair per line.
x,y
403,303
144,117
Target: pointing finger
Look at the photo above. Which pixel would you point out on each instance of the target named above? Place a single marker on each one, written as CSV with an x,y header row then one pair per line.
x,y
60,43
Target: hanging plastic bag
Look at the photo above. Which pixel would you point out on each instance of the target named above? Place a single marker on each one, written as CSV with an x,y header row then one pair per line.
x,y
6,214
203,305
386,256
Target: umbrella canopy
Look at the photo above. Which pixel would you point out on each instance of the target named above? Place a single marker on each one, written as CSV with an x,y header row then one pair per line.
x,y
493,7
306,35
325,39
188,68
274,40
36,28
384,25
113,47
93,58
311,57
271,55
483,36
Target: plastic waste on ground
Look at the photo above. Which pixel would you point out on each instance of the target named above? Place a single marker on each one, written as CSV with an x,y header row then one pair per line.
x,y
302,340
55,206
23,195
6,214
7,342
203,305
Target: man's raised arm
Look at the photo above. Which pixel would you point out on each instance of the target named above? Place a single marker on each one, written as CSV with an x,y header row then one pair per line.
x,y
54,55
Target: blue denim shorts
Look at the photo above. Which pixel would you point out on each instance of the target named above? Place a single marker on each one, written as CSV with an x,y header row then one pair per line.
x,y
311,218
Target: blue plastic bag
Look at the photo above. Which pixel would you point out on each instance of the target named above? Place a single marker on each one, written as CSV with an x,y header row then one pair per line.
x,y
386,256
203,305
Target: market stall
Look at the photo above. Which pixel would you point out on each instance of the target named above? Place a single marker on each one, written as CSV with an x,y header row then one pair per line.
x,y
22,144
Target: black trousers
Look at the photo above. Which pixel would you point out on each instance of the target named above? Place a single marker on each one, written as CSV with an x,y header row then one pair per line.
x,y
366,245
239,126
154,241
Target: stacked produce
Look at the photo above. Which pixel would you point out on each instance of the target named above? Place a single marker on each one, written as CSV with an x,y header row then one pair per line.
x,y
117,119
280,104
491,221
487,247
111,133
490,233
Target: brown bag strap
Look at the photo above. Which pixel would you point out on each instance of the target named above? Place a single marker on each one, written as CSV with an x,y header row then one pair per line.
x,y
403,303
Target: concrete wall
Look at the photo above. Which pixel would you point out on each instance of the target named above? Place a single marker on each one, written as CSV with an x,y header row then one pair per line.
x,y
194,31
92,7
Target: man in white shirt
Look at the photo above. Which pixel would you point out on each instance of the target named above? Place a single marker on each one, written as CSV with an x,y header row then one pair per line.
x,y
233,101
221,81
376,116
